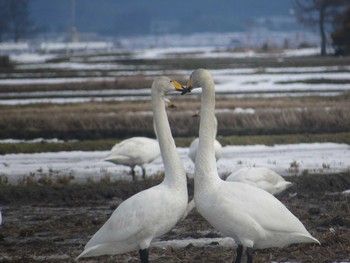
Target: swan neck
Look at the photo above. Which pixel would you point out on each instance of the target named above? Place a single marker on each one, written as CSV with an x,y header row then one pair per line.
x,y
205,159
173,168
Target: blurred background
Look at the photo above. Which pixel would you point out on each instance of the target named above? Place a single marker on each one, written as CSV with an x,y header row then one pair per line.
x,y
33,24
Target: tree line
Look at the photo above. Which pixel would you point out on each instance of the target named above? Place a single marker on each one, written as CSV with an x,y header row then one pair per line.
x,y
330,16
14,20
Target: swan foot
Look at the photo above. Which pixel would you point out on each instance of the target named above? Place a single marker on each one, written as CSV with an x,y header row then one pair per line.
x,y
144,255
239,254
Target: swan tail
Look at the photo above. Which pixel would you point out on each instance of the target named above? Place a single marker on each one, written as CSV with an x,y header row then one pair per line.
x,y
106,249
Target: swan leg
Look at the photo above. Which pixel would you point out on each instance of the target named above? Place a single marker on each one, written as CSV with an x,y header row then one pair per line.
x,y
133,173
143,172
249,253
144,255
239,254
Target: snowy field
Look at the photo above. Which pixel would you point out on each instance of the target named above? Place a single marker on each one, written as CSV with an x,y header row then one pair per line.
x,y
37,69
315,158
230,82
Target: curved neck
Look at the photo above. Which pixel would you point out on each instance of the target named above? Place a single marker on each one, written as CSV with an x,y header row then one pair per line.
x,y
173,168
205,159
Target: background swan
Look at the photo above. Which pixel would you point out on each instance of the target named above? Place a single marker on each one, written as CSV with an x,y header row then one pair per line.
x,y
152,212
192,152
260,177
251,216
136,151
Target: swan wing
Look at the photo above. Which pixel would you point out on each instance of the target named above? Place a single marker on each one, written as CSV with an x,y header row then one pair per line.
x,y
143,216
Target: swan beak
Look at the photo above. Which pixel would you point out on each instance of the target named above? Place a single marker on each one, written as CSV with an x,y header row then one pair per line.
x,y
177,85
170,104
188,87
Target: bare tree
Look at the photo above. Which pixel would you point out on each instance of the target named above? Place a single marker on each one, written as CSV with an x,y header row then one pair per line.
x,y
14,19
20,23
341,33
4,18
318,12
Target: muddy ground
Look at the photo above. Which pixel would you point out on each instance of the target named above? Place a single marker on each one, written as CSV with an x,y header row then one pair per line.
x,y
52,223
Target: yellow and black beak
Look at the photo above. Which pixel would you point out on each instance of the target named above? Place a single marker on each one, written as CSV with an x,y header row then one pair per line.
x,y
188,87
181,88
177,85
169,103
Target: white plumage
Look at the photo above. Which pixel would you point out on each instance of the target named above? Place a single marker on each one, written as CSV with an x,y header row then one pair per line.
x,y
152,212
134,151
192,152
251,216
260,177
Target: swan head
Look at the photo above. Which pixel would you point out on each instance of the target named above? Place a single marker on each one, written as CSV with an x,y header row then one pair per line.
x,y
198,79
165,85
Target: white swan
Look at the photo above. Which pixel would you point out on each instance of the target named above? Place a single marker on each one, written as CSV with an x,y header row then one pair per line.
x,y
136,151
152,212
260,177
192,152
254,218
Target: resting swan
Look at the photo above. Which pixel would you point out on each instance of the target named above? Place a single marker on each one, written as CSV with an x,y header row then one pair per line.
x,y
152,212
254,218
260,177
136,151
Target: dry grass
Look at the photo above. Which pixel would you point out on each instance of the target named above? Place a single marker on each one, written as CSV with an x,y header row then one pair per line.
x,y
124,119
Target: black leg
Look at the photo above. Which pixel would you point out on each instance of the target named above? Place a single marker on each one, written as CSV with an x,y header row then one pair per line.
x,y
249,255
143,255
133,173
143,173
239,254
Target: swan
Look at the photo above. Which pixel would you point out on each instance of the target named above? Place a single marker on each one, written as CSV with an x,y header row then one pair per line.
x,y
254,218
260,177
152,212
136,151
192,152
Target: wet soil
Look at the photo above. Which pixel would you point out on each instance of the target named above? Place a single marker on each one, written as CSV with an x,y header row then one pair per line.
x,y
52,223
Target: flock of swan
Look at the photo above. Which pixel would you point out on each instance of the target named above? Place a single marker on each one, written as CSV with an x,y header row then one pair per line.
x,y
253,217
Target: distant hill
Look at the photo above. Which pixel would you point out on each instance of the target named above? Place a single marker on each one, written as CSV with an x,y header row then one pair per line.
x,y
141,17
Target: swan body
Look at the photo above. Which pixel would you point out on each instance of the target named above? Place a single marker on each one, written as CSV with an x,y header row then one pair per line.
x,y
192,152
134,151
260,177
254,218
152,212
